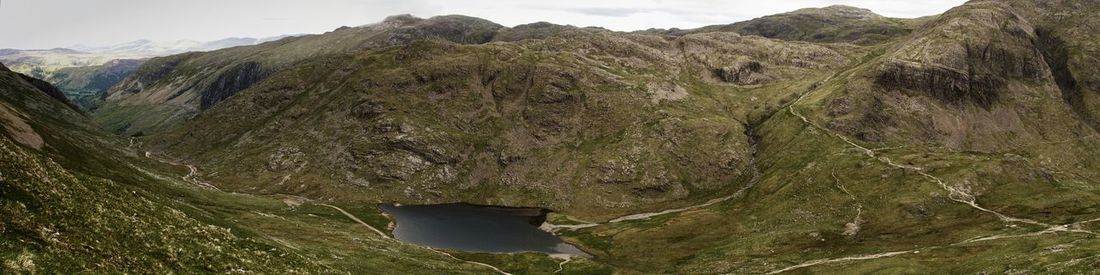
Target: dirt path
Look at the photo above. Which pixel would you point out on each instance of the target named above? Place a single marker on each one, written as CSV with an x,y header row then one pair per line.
x,y
192,174
916,251
641,216
193,177
357,220
953,193
561,265
845,259
850,229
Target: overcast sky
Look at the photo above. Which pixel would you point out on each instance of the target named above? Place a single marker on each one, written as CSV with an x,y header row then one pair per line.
x,y
26,24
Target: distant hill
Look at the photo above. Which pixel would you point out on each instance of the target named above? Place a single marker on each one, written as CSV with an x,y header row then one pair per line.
x,y
829,24
161,48
84,73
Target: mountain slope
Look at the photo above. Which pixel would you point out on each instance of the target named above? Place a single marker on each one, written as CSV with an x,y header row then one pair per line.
x,y
952,143
169,90
48,224
87,86
827,25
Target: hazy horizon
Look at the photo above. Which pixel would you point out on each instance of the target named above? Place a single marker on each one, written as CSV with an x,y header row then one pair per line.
x,y
109,22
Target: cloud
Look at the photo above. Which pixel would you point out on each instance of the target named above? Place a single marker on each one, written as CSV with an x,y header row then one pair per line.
x,y
103,22
612,12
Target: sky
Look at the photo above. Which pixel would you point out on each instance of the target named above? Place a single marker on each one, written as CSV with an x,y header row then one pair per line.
x,y
37,24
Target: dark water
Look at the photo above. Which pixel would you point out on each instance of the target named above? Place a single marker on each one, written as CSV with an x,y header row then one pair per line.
x,y
475,229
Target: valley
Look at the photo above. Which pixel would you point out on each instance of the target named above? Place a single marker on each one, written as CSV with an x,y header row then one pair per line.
x,y
822,140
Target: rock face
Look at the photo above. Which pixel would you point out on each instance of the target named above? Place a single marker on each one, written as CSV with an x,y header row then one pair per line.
x,y
234,79
968,57
942,83
986,55
742,72
1067,41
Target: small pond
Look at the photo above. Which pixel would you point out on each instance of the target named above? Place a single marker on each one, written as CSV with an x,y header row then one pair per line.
x,y
476,228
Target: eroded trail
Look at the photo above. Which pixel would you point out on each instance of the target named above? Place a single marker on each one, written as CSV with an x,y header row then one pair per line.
x,y
913,251
561,265
845,259
851,228
192,176
357,220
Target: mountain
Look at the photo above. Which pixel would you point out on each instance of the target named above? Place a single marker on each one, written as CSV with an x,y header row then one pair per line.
x,y
830,24
827,140
213,76
86,86
161,48
149,215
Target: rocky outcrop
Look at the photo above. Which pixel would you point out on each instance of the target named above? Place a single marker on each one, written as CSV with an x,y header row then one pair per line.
x,y
742,72
946,84
1071,55
231,81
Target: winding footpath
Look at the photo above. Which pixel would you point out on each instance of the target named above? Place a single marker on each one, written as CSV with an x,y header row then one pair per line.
x,y
561,265
357,220
954,194
642,216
